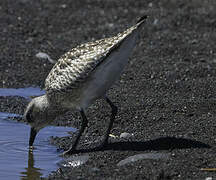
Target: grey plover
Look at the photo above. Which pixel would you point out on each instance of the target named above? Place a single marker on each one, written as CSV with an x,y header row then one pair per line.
x,y
81,76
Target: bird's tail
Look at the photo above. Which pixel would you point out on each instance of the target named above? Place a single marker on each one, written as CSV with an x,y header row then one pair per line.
x,y
141,20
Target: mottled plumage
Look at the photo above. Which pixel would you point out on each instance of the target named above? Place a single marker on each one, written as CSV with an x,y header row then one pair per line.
x,y
81,76
74,67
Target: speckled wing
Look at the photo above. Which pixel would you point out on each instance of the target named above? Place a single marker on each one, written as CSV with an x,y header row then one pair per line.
x,y
74,67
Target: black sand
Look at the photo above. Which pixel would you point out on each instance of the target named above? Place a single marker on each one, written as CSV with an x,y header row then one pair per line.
x,y
166,95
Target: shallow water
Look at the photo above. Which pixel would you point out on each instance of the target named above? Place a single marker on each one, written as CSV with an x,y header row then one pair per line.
x,y
16,161
22,92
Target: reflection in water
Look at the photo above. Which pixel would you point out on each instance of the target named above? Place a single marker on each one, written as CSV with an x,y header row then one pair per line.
x,y
31,172
14,152
16,161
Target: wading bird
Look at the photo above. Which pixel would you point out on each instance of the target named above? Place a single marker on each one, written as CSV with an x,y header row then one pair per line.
x,y
79,77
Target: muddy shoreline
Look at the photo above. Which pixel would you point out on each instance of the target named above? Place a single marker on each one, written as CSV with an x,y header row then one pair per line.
x,y
166,95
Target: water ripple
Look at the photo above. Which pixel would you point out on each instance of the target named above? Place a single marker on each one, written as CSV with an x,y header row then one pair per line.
x,y
16,159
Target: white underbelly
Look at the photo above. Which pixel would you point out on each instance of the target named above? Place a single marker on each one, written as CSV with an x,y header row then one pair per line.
x,y
107,72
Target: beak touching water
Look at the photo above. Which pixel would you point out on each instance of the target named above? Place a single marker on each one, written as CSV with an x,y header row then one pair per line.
x,y
33,134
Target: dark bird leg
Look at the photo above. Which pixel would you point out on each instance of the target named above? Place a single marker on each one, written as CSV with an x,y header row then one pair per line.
x,y
112,118
84,124
72,148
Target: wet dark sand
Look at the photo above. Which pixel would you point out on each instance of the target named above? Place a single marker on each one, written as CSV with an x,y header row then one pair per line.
x,y
166,95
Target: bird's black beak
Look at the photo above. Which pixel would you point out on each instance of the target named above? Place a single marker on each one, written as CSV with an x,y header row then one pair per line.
x,y
33,134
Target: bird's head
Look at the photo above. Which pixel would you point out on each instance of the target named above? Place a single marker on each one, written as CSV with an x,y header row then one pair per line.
x,y
37,115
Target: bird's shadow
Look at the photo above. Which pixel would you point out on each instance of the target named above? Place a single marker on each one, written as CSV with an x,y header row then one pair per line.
x,y
163,143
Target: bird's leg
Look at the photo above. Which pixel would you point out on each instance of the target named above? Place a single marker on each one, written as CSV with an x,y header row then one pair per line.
x,y
84,124
112,118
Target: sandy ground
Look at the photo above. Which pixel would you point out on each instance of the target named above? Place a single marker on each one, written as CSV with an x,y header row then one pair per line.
x,y
166,95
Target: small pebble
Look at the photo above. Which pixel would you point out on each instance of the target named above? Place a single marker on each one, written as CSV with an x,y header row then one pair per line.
x,y
95,169
214,60
155,22
63,6
150,5
42,55
29,40
110,25
209,178
125,135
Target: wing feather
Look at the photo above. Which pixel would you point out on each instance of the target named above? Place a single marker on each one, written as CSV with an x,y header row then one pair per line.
x,y
73,68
